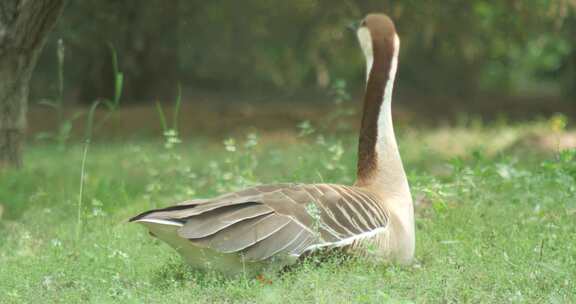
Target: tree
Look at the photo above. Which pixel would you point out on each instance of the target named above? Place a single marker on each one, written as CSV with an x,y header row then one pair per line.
x,y
24,26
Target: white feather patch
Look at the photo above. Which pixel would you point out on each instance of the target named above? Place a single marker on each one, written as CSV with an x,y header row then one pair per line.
x,y
365,39
349,240
160,222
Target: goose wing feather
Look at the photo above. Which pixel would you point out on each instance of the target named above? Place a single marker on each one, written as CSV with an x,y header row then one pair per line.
x,y
208,223
265,221
284,241
244,233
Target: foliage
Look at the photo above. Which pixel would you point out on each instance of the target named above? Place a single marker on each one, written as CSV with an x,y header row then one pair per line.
x,y
171,133
62,134
65,122
448,47
493,224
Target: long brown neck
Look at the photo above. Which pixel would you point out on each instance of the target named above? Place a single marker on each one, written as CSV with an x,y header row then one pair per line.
x,y
378,76
379,163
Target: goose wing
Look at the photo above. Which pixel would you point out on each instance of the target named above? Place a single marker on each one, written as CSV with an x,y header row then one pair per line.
x,y
270,220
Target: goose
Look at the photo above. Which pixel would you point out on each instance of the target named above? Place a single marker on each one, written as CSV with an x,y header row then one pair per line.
x,y
268,227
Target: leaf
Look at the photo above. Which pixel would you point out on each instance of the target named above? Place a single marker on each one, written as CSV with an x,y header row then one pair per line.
x,y
439,206
118,88
161,116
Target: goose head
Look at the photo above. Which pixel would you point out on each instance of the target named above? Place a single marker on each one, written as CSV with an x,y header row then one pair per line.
x,y
377,37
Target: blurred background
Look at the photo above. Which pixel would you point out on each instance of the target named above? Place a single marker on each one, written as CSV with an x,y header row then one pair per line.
x,y
274,64
139,104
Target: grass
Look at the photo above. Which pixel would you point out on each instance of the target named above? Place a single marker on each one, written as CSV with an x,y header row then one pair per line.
x,y
495,220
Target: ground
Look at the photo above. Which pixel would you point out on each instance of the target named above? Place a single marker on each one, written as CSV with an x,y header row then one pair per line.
x,y
495,218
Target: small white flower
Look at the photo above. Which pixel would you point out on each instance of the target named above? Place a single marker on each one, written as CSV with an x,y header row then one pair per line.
x,y
230,145
56,243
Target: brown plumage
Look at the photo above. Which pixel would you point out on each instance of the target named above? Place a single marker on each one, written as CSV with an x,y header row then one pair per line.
x,y
383,32
271,226
280,215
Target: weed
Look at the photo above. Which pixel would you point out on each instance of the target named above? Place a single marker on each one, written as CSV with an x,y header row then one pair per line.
x,y
499,228
170,133
64,129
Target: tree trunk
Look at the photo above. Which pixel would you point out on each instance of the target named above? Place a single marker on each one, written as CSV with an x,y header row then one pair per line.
x,y
24,26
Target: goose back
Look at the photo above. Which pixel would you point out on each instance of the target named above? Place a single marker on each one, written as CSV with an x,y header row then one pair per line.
x,y
274,220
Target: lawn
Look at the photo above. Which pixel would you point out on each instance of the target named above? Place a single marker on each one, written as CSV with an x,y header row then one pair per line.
x,y
496,210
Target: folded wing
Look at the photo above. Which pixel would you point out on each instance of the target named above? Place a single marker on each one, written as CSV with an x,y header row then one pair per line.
x,y
273,220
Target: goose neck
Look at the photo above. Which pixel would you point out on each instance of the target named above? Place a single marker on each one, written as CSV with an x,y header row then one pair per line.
x,y
379,163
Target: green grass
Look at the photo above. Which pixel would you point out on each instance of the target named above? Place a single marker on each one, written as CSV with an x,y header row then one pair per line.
x,y
495,221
